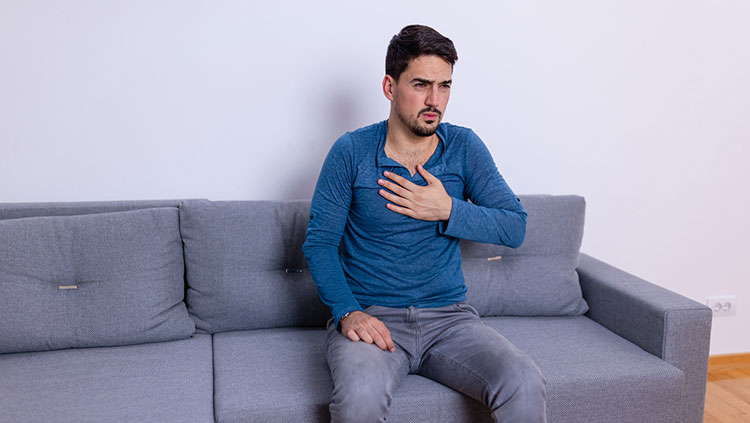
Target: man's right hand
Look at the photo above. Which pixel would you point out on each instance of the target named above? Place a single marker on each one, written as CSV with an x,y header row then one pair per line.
x,y
360,326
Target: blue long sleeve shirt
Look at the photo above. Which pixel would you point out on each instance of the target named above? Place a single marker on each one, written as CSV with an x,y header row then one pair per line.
x,y
390,259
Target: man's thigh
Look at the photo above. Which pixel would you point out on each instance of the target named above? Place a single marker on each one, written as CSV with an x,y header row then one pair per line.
x,y
473,358
363,370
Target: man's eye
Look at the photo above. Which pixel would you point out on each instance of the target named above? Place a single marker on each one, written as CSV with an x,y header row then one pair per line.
x,y
419,84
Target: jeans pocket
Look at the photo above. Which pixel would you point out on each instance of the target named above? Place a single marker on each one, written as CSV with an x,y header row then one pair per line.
x,y
465,307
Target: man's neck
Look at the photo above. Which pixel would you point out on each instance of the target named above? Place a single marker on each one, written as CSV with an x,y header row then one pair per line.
x,y
401,140
407,148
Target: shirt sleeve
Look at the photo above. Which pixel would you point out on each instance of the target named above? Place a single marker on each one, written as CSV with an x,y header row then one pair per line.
x,y
494,215
329,212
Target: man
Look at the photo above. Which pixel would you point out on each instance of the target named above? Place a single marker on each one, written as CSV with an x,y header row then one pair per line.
x,y
396,193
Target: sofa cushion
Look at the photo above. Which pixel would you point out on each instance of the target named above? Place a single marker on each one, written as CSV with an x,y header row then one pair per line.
x,y
245,267
539,278
91,280
592,374
70,208
288,363
157,382
280,375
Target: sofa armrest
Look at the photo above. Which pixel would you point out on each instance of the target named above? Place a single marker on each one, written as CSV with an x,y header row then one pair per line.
x,y
664,323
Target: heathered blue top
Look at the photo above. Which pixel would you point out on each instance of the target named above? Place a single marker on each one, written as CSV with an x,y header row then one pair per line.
x,y
392,260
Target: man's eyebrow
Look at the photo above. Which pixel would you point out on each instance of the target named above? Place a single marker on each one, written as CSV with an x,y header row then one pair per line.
x,y
430,81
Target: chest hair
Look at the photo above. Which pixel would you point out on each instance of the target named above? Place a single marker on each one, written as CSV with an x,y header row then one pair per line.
x,y
411,158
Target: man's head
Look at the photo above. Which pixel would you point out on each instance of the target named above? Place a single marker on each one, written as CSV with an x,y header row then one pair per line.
x,y
419,68
414,41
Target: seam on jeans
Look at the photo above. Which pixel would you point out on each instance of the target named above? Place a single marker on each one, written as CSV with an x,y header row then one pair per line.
x,y
330,335
459,365
417,334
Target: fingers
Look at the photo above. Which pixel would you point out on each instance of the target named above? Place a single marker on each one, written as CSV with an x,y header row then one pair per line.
x,y
364,334
402,210
386,335
381,336
426,175
400,180
408,185
401,201
368,329
397,189
352,334
379,341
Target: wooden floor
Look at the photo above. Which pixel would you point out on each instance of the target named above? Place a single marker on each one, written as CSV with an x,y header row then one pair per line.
x,y
728,389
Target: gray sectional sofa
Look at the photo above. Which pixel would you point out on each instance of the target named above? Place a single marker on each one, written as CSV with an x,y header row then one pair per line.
x,y
201,311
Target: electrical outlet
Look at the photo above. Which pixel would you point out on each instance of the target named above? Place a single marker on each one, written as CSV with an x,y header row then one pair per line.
x,y
723,305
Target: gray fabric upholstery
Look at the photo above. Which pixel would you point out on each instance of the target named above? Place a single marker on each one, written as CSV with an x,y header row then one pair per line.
x,y
271,375
246,270
245,267
538,278
594,375
127,269
661,322
280,375
159,383
69,208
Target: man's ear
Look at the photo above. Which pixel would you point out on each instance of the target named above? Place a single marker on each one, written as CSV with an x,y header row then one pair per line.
x,y
389,85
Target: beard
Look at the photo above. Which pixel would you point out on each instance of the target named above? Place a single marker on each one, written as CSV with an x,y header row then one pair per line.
x,y
415,126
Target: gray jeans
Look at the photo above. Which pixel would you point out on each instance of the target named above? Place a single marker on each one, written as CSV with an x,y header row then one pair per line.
x,y
447,344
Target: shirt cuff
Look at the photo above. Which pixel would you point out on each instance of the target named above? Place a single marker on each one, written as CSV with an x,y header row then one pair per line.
x,y
452,226
339,315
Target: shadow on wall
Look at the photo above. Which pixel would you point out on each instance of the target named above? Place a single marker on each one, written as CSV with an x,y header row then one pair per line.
x,y
336,111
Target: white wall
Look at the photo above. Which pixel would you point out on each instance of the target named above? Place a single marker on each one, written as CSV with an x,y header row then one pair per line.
x,y
640,106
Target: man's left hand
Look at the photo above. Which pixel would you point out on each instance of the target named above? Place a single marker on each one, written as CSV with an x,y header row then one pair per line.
x,y
430,202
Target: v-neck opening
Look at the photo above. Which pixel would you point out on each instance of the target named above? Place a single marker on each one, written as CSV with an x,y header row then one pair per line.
x,y
434,163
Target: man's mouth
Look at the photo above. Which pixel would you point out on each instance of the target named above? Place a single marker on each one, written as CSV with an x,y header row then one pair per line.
x,y
430,116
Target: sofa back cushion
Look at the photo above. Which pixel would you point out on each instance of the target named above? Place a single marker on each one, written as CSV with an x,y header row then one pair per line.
x,y
244,265
91,280
539,278
74,208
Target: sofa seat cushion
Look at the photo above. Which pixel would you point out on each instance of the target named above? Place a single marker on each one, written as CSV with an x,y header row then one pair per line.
x,y
593,375
280,375
159,382
271,375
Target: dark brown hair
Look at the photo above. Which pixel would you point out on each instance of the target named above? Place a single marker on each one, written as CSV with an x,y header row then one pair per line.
x,y
414,41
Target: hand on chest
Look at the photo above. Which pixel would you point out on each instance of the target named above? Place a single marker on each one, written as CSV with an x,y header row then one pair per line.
x,y
369,206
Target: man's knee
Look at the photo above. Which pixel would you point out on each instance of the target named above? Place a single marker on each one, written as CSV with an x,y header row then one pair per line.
x,y
521,396
530,380
524,382
364,378
360,403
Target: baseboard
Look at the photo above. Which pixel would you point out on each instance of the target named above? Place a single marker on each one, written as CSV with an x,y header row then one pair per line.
x,y
729,360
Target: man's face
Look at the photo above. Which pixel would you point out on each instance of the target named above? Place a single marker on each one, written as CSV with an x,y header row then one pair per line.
x,y
421,94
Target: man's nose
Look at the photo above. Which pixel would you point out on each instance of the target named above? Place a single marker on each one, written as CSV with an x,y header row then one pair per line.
x,y
432,99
